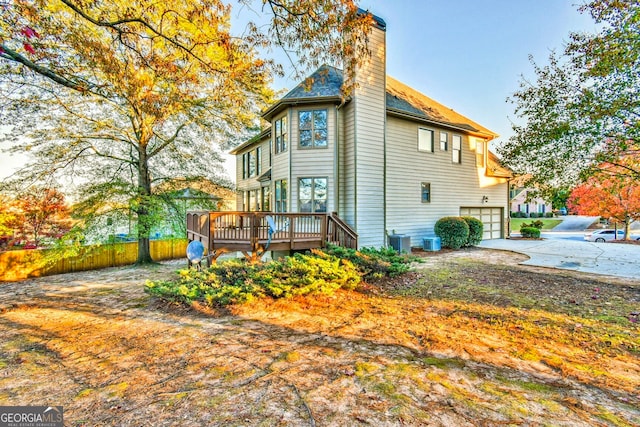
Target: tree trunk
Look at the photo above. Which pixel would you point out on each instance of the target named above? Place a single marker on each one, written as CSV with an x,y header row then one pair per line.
x,y
143,209
627,228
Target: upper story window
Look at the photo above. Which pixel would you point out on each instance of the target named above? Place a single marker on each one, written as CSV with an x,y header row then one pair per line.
x,y
444,141
313,128
480,153
281,131
425,140
258,160
456,149
252,163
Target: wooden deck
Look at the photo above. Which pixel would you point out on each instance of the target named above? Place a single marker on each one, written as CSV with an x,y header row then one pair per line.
x,y
254,233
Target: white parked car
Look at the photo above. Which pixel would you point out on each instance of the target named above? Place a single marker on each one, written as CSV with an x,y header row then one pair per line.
x,y
606,235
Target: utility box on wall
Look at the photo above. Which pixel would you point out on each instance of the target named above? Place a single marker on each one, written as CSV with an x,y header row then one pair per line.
x,y
400,242
431,244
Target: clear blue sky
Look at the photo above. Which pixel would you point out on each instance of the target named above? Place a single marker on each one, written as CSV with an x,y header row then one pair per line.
x,y
465,54
469,54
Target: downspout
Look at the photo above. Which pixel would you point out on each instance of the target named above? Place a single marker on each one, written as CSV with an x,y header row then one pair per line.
x,y
337,167
508,208
290,150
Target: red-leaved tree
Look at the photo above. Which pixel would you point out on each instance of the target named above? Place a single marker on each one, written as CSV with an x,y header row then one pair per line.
x,y
40,213
611,196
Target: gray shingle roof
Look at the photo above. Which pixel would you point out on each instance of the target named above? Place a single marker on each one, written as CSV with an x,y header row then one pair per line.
x,y
325,82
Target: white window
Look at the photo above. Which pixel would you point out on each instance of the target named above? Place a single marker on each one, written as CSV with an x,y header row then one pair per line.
x,y
480,154
425,140
456,149
444,141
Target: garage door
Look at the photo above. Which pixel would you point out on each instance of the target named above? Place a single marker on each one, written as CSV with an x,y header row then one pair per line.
x,y
490,217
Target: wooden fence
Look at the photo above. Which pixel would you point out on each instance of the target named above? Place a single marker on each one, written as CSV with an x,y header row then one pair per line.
x,y
18,265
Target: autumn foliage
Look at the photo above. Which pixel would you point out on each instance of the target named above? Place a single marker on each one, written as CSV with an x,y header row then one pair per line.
x,y
616,198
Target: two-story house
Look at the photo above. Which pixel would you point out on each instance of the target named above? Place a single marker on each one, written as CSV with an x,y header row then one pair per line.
x,y
389,160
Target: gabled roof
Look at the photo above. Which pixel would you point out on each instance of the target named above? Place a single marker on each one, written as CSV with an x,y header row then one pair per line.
x,y
322,86
262,135
496,169
407,102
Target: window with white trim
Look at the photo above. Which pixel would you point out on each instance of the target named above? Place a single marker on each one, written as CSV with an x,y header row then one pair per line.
x,y
456,149
480,153
444,141
425,140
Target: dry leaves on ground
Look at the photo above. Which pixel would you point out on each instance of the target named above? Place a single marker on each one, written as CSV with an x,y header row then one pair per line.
x,y
469,338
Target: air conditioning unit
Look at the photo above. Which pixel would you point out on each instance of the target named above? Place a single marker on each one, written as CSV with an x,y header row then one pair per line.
x,y
400,242
431,244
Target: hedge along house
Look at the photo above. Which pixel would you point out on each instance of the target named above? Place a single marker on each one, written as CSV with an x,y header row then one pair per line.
x,y
389,160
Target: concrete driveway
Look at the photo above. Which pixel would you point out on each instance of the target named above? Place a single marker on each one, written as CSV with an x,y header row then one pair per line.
x,y
613,259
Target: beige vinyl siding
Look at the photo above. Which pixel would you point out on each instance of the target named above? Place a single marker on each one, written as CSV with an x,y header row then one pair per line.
x,y
313,162
280,162
252,183
370,114
452,185
347,209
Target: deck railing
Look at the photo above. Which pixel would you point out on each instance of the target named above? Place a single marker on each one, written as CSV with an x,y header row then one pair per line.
x,y
253,233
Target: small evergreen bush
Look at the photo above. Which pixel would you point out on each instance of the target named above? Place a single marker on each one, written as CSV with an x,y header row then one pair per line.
x,y
535,224
476,228
549,215
374,263
530,232
453,231
236,282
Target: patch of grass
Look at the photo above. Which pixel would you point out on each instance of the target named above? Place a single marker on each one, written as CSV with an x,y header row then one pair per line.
x,y
610,417
85,392
547,223
365,368
291,356
444,363
117,390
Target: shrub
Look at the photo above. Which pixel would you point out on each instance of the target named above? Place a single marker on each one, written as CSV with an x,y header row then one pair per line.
x,y
530,232
234,281
475,230
453,231
374,263
535,224
549,215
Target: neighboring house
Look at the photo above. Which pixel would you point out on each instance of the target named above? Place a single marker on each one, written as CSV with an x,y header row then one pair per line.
x,y
389,160
521,201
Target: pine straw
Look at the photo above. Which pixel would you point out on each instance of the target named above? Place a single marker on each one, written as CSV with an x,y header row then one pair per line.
x,y
459,342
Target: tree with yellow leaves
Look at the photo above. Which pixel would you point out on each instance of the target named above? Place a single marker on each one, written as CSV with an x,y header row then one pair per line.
x,y
121,97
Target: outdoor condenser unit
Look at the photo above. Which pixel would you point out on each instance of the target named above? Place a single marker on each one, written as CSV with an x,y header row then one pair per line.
x,y
400,242
431,244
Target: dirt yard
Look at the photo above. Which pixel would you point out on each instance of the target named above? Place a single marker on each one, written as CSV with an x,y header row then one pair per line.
x,y
469,338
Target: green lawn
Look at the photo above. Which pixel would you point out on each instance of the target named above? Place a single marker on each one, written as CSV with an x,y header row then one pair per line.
x,y
549,223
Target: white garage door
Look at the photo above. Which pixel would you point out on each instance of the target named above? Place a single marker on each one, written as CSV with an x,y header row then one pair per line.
x,y
490,217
